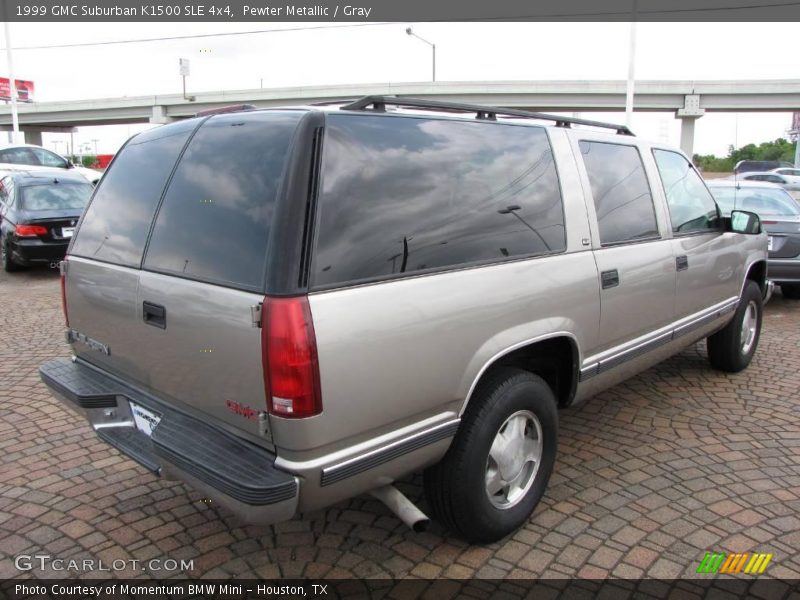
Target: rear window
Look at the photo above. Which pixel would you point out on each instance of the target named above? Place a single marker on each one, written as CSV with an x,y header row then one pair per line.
x,y
115,226
404,194
215,220
55,196
765,202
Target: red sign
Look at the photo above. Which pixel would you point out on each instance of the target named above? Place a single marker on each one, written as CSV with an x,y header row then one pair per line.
x,y
24,89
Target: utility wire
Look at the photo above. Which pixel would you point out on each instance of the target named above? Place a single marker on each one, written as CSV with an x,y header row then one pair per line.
x,y
199,36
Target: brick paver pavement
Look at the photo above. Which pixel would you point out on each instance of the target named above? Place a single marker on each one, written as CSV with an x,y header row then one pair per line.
x,y
650,475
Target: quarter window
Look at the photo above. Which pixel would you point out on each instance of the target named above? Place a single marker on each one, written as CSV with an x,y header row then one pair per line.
x,y
622,198
691,205
406,194
49,159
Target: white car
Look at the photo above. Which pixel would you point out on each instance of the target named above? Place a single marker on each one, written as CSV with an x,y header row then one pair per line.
x,y
789,183
27,157
790,171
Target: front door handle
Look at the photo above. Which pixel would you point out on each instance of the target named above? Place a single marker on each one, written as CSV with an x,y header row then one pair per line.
x,y
682,262
609,279
154,314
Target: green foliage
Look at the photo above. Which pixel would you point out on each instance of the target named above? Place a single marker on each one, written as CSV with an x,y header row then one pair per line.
x,y
780,149
88,161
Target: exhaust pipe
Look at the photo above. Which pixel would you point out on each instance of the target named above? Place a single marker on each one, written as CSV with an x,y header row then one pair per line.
x,y
405,510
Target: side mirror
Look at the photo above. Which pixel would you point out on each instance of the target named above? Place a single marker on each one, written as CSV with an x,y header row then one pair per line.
x,y
746,222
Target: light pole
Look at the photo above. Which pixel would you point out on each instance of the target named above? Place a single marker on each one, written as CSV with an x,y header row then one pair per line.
x,y
95,146
410,32
12,84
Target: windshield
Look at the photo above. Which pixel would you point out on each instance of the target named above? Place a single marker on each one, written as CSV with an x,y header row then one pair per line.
x,y
765,202
55,196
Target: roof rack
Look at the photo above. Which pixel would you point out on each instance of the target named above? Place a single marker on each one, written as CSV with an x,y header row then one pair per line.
x,y
379,103
225,109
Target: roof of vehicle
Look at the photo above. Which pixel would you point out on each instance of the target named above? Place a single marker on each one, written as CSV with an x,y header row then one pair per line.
x,y
6,146
43,176
392,105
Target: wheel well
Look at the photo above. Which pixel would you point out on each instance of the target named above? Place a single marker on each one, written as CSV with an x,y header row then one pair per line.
x,y
758,273
555,360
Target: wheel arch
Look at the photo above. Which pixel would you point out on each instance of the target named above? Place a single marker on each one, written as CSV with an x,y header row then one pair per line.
x,y
555,358
757,272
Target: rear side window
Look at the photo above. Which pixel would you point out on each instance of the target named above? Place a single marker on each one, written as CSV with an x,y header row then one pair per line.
x,y
405,194
216,216
115,226
622,198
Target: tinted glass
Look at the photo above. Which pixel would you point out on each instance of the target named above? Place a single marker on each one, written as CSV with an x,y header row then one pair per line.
x,y
115,226
59,196
691,206
18,156
49,159
765,202
216,216
405,194
622,197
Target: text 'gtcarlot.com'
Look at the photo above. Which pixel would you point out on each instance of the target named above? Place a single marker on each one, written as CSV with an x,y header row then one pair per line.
x,y
45,562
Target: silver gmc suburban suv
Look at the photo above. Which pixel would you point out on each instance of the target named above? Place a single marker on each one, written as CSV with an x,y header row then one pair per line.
x,y
285,308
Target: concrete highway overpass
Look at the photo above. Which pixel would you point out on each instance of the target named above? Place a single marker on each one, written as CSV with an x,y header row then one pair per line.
x,y
689,100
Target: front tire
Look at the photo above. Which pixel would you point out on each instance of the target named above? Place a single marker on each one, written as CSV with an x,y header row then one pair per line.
x,y
732,348
497,468
792,292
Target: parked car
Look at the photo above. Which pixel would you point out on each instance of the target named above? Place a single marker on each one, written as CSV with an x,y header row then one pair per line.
x,y
27,157
780,217
790,184
744,166
285,308
791,172
38,214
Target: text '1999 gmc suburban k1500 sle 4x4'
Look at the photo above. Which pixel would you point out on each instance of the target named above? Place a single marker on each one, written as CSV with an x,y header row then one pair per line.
x,y
284,308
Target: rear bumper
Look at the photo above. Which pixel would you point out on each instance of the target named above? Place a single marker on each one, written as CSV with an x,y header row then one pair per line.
x,y
35,251
232,472
783,270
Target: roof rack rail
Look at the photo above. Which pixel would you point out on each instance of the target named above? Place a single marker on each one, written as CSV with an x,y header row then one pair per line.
x,y
379,103
225,109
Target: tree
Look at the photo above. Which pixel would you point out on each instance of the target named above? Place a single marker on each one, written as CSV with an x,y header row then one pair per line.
x,y
780,149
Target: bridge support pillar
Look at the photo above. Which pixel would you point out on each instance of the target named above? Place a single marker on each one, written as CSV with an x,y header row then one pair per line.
x,y
690,112
32,136
159,116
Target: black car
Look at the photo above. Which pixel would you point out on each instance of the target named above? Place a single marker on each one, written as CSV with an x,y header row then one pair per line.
x,y
39,211
780,218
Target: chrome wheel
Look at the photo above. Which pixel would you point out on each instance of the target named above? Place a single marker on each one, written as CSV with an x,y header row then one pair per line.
x,y
514,459
749,327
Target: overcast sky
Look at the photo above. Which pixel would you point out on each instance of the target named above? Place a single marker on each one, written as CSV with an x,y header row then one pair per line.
x,y
384,53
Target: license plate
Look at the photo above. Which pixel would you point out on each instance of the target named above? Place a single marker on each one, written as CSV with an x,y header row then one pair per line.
x,y
145,419
770,244
67,232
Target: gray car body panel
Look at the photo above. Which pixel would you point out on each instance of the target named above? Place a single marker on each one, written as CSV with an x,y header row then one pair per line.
x,y
399,360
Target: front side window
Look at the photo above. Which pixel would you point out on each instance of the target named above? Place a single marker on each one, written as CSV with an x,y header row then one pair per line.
x,y
49,159
406,194
691,207
622,198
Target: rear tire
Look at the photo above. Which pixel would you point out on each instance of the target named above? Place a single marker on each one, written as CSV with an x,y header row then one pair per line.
x,y
791,292
9,266
497,468
732,348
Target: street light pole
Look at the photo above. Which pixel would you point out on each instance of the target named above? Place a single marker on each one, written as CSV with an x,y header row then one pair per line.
x,y
631,68
13,86
410,32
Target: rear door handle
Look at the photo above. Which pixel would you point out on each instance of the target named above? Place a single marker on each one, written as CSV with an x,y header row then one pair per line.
x,y
609,279
154,314
682,262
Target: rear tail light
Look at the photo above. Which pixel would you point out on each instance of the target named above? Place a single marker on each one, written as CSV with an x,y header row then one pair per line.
x,y
30,230
62,267
769,222
289,354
